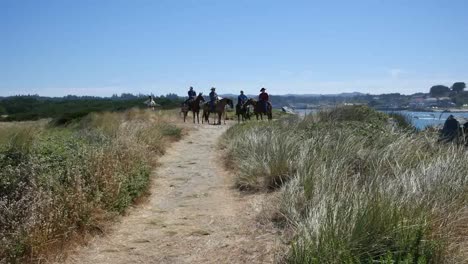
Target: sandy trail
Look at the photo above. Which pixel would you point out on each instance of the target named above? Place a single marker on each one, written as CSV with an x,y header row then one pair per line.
x,y
194,215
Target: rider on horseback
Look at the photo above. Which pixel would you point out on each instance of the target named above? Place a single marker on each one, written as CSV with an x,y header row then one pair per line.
x,y
151,103
213,99
242,98
263,99
191,94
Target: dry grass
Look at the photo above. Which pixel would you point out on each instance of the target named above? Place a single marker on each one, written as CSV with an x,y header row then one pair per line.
x,y
354,191
56,182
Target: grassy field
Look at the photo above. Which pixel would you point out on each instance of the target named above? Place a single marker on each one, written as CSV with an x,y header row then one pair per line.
x,y
353,188
56,182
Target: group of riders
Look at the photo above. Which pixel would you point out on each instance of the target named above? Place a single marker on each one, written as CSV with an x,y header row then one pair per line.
x,y
263,98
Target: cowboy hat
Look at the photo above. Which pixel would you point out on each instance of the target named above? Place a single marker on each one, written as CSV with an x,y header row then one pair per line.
x,y
212,88
263,89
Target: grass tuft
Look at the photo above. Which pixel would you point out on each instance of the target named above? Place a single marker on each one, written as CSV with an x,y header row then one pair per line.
x,y
353,190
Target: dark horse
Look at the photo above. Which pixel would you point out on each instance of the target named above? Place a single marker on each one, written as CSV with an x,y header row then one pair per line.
x,y
259,110
242,111
194,106
220,109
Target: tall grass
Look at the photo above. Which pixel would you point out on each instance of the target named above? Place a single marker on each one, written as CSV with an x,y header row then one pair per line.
x,y
56,182
354,190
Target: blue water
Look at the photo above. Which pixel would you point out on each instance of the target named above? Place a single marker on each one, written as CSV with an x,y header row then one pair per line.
x,y
420,120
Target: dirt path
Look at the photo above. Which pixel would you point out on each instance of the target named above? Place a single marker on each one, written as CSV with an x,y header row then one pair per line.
x,y
193,214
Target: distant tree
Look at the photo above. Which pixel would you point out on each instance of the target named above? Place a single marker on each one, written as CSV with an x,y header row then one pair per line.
x,y
373,103
128,96
458,87
172,96
439,91
2,110
461,98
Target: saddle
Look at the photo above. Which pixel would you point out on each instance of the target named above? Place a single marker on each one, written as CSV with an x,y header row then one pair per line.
x,y
261,106
212,104
189,102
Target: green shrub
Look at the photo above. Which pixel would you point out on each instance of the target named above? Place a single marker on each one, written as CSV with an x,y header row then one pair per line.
x,y
352,113
403,121
64,179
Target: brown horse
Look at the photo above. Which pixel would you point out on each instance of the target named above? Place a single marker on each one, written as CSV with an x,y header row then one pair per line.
x,y
220,109
194,106
242,111
259,110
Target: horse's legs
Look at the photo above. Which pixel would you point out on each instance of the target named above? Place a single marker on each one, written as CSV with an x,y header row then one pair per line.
x,y
207,117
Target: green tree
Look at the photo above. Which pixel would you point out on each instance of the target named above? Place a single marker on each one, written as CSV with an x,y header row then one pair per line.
x,y
439,91
2,110
458,87
461,98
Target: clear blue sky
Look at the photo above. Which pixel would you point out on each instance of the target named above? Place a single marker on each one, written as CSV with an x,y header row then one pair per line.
x,y
101,47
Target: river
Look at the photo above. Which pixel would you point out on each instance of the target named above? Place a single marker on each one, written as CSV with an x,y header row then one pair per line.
x,y
420,120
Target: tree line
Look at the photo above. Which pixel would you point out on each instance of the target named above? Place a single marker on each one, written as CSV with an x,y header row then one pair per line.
x,y
34,107
444,91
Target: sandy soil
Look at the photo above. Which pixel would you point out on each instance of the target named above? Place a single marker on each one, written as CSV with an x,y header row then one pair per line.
x,y
193,215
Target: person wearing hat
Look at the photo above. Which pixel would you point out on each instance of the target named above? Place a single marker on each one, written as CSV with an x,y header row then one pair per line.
x,y
263,98
213,98
242,98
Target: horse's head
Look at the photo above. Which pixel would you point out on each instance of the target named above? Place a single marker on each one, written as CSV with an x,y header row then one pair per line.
x,y
230,103
200,97
251,101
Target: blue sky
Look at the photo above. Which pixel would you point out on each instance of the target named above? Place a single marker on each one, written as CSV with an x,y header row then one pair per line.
x,y
89,47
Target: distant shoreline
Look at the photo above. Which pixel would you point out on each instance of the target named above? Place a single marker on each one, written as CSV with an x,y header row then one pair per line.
x,y
449,110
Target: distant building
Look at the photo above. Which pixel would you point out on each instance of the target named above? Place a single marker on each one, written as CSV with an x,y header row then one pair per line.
x,y
431,102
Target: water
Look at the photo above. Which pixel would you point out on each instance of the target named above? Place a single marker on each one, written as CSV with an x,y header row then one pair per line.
x,y
420,120
303,112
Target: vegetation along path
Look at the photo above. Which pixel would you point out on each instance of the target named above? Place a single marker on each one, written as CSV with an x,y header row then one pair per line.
x,y
193,215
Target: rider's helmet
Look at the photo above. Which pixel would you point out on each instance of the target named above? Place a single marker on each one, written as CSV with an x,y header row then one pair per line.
x,y
242,92
212,88
263,89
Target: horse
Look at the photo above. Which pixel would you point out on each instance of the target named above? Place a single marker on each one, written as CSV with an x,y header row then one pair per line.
x,y
194,106
220,109
259,110
242,111
151,103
